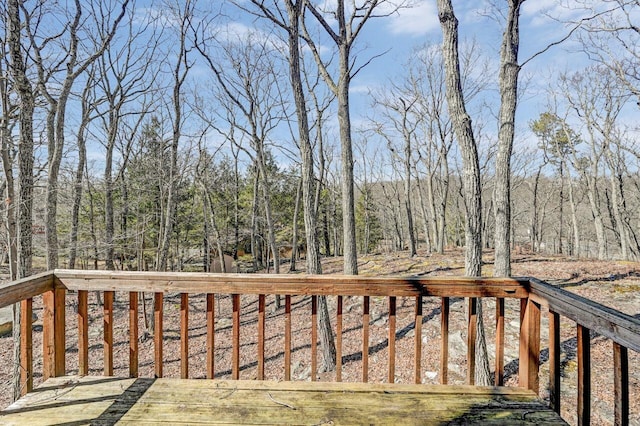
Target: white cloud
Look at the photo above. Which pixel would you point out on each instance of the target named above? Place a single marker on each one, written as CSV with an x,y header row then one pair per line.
x,y
415,21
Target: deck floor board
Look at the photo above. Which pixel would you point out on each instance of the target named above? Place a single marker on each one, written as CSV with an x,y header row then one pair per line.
x,y
94,400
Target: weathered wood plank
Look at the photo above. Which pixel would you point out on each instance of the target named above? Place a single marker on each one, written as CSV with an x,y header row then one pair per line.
x,y
554,361
499,364
235,339
444,340
287,337
621,384
158,332
530,347
53,333
391,377
107,328
583,352
211,336
133,334
417,373
608,322
314,338
339,339
365,339
26,346
472,330
334,285
25,288
83,333
261,330
184,336
98,400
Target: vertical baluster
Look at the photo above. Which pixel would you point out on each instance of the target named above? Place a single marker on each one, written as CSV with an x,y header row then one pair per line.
x,y
339,340
235,358
392,340
83,333
261,320
53,335
444,343
158,310
133,334
210,336
417,327
108,333
472,325
621,383
287,337
26,346
365,339
583,352
499,368
529,346
314,337
184,336
554,361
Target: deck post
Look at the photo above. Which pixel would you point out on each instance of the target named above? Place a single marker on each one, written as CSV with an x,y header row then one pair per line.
x,y
529,345
53,337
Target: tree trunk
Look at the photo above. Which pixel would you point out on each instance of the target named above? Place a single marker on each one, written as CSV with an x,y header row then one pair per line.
x,y
509,69
471,167
25,167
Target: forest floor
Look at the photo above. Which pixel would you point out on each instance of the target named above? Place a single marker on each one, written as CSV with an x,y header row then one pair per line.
x,y
615,284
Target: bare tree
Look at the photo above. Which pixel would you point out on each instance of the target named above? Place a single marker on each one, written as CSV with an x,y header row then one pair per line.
x,y
471,172
182,13
508,79
350,21
26,105
77,57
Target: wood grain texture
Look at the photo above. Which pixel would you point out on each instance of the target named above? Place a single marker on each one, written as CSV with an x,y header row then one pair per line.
x,y
211,335
261,330
554,361
499,361
583,352
107,329
621,384
302,285
472,331
235,339
158,332
25,288
314,338
417,364
287,337
529,362
26,346
184,336
365,339
615,325
83,333
444,340
101,400
339,306
391,376
133,334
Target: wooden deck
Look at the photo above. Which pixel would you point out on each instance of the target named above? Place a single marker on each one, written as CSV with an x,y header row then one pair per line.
x,y
72,400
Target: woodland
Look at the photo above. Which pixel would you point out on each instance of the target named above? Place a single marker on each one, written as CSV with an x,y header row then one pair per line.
x,y
151,136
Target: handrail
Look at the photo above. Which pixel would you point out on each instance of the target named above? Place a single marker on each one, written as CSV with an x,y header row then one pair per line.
x,y
615,325
25,288
298,285
533,294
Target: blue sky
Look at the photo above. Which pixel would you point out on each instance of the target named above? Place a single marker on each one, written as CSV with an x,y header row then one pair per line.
x,y
400,33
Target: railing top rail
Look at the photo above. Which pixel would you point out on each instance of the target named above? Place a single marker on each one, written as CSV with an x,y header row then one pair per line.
x,y
25,288
621,328
286,284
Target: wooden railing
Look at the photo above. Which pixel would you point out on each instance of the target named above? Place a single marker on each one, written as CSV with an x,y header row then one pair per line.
x,y
623,330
